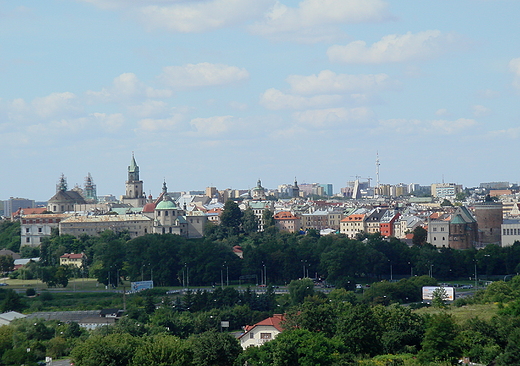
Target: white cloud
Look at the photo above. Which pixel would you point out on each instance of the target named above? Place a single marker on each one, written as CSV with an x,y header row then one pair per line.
x,y
394,48
480,110
313,20
161,124
110,122
328,82
238,106
53,104
442,112
509,133
126,86
488,94
514,67
149,108
275,99
214,125
201,16
333,117
415,126
202,74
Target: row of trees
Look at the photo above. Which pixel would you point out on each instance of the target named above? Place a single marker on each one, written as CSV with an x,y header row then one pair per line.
x,y
171,260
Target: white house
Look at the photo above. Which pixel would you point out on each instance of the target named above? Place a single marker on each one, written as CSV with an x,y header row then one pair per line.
x,y
264,331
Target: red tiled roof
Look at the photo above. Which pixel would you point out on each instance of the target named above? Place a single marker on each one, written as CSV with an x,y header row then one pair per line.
x,y
73,256
284,215
29,211
274,321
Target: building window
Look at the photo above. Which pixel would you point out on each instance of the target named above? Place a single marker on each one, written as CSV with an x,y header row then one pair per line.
x,y
39,229
265,335
27,240
165,213
251,335
26,229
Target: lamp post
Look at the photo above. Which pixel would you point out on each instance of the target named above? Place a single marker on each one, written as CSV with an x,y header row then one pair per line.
x,y
476,276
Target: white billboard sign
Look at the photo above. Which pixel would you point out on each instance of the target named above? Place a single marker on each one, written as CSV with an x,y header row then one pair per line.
x,y
142,285
427,292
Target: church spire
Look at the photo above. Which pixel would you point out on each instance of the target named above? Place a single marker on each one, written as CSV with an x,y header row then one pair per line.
x,y
62,184
164,188
133,170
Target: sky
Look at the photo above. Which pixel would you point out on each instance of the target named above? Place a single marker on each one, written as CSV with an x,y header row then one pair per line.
x,y
225,92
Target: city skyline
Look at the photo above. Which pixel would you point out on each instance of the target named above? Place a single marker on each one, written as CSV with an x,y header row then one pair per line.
x,y
225,92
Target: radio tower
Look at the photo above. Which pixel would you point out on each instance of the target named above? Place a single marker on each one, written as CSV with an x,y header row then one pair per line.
x,y
377,169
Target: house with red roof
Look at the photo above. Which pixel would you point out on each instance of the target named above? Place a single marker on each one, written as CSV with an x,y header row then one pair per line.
x,y
286,221
73,259
261,332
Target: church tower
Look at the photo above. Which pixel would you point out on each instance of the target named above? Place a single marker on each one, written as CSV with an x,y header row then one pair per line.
x,y
135,195
296,189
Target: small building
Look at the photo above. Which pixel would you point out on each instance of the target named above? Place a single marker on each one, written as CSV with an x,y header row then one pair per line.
x,y
73,259
261,332
286,221
8,317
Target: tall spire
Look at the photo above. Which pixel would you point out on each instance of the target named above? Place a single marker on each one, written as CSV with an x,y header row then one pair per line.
x,y
164,188
62,184
133,170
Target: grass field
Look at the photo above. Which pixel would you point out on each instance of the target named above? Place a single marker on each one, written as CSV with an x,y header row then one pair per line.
x,y
483,312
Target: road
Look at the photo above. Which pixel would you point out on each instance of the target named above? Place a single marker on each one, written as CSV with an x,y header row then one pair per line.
x,y
59,363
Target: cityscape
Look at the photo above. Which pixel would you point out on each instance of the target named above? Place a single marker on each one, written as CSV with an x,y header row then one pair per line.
x,y
259,182
454,216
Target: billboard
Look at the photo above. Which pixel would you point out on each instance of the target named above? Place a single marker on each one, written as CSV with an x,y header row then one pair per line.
x,y
427,292
142,285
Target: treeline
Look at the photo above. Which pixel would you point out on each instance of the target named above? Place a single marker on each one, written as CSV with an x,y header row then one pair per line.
x,y
171,260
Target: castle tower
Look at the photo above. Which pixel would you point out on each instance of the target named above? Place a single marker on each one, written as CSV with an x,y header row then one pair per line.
x,y
489,217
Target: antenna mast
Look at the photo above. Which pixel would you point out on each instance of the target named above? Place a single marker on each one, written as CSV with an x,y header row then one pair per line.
x,y
377,169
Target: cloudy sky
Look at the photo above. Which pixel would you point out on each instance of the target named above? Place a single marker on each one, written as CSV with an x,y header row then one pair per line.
x,y
224,92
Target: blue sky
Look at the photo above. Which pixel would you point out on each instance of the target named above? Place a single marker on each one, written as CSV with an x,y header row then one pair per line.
x,y
224,92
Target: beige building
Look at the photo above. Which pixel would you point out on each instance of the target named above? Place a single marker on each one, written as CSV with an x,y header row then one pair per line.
x,y
286,221
135,224
73,259
352,225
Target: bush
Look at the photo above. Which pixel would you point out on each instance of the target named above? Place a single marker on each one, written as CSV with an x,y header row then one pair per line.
x,y
30,292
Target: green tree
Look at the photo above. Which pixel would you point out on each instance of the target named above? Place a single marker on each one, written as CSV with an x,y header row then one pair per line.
x,y
419,235
304,348
112,350
439,297
163,350
441,341
231,218
213,348
6,263
249,221
11,302
300,289
268,218
359,330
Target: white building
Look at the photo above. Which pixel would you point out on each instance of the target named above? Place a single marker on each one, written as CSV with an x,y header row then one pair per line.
x,y
264,331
